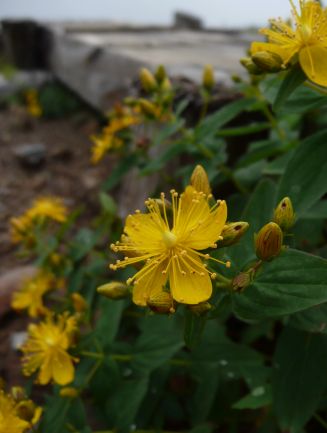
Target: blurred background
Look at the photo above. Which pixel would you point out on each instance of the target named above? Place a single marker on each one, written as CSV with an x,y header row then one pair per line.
x,y
214,13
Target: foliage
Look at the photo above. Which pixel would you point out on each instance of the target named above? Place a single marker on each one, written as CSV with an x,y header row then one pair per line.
x,y
252,356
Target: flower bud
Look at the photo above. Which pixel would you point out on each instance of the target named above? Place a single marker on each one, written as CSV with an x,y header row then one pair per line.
x,y
242,280
284,214
114,290
26,410
79,302
232,233
269,241
18,393
68,391
148,81
148,108
161,303
248,64
208,78
200,309
200,181
160,74
267,61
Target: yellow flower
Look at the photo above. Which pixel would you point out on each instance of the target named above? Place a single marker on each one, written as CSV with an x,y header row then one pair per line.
x,y
307,40
33,106
20,229
48,207
102,144
9,419
170,249
30,295
46,350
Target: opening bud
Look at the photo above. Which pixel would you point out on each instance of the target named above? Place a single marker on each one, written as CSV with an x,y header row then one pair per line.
x,y
232,233
269,242
160,74
26,410
208,78
284,214
114,290
249,64
148,81
68,391
200,309
79,302
200,181
267,61
161,303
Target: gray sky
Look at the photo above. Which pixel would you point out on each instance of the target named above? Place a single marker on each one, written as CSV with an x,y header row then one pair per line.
x,y
213,12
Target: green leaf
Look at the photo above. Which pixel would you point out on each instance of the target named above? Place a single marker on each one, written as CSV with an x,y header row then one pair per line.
x,y
172,150
108,203
292,282
83,243
193,328
304,180
260,396
108,323
312,320
126,401
202,429
215,121
293,79
299,378
156,345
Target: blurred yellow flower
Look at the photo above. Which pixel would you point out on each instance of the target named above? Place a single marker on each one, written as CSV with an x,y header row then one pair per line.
x,y
15,420
102,144
48,207
30,295
46,350
170,249
32,103
42,208
307,40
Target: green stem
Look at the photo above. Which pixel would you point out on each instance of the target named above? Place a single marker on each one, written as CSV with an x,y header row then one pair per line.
x,y
321,421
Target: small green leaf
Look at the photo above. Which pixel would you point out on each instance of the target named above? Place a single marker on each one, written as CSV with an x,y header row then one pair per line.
x,y
292,282
108,203
194,326
299,378
304,180
293,79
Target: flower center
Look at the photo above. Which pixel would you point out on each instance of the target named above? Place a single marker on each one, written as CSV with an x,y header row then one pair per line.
x,y
306,32
169,239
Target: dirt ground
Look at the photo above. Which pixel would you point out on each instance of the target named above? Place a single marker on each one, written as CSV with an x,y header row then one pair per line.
x,y
65,171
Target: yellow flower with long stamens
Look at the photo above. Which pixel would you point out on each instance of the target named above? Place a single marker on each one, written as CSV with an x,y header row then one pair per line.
x,y
171,250
46,350
30,295
306,42
9,420
48,207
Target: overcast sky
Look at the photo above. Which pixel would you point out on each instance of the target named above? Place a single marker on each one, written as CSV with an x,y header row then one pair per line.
x,y
213,12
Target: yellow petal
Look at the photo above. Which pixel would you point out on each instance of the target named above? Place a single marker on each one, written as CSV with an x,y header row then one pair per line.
x,y
45,374
151,283
313,60
189,288
208,232
62,368
145,230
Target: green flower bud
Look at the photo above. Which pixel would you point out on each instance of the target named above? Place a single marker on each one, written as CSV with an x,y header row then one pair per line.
x,y
269,242
248,64
160,74
200,181
284,214
200,309
232,233
267,61
148,81
208,78
161,303
114,290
